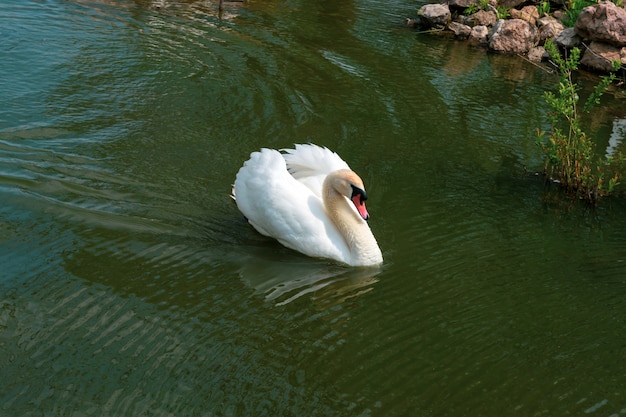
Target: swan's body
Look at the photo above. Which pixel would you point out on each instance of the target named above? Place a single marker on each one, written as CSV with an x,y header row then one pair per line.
x,y
309,200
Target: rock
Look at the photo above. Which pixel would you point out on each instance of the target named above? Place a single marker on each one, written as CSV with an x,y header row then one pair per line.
x,y
411,23
528,13
484,18
464,20
479,36
510,4
549,28
461,4
560,15
460,30
599,56
537,54
568,39
513,36
435,15
604,22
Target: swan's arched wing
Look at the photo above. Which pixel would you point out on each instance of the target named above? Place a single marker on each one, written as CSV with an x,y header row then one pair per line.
x,y
279,206
310,164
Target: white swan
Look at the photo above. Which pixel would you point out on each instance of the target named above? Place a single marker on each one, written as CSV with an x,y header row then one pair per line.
x,y
309,200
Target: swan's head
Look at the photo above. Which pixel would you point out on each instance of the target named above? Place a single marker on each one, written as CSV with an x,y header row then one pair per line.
x,y
350,185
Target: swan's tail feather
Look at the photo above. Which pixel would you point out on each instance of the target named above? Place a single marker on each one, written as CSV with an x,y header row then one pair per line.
x,y
308,160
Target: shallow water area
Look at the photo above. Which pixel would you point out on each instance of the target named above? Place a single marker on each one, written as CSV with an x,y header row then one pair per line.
x,y
130,284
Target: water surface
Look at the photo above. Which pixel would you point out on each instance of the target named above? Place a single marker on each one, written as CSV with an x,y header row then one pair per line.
x,y
131,285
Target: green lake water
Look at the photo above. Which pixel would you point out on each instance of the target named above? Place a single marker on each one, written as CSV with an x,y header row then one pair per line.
x,y
130,284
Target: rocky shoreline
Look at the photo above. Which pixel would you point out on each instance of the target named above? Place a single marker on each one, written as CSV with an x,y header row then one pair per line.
x,y
599,30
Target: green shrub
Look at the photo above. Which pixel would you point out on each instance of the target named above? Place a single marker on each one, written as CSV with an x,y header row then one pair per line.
x,y
476,6
503,12
572,10
543,8
570,158
471,9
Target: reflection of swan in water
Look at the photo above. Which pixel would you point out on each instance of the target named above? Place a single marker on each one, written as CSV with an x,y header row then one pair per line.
x,y
617,136
282,282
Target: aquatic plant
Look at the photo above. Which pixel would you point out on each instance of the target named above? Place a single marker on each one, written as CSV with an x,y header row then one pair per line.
x,y
570,157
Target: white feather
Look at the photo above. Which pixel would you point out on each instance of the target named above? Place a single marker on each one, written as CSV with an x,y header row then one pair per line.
x,y
280,195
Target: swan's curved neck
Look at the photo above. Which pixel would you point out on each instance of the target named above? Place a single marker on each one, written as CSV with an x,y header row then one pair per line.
x,y
359,238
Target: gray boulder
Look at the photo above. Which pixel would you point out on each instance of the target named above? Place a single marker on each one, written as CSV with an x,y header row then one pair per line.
x,y
568,39
435,15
